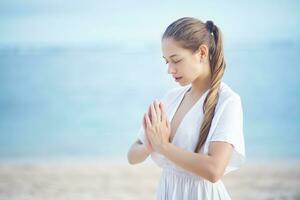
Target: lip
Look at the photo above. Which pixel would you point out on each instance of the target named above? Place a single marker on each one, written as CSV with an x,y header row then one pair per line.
x,y
177,78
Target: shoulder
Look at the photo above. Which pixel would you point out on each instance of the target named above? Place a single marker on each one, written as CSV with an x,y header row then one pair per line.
x,y
228,117
228,96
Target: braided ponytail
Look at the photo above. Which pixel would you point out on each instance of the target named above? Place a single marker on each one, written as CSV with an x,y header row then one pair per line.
x,y
217,65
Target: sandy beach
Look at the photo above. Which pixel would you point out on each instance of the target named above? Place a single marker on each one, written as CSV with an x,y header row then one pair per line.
x,y
116,179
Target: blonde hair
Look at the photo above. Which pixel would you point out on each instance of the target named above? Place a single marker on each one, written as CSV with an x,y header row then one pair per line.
x,y
190,33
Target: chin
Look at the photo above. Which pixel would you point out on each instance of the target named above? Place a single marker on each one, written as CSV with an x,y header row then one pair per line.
x,y
184,83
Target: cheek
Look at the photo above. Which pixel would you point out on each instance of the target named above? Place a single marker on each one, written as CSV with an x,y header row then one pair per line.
x,y
194,72
199,69
193,69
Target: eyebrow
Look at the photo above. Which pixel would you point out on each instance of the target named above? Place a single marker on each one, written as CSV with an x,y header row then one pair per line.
x,y
172,55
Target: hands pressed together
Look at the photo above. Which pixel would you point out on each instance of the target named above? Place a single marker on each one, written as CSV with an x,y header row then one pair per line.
x,y
157,127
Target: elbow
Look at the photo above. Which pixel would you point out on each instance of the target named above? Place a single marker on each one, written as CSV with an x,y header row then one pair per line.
x,y
136,154
130,161
215,175
214,178
130,158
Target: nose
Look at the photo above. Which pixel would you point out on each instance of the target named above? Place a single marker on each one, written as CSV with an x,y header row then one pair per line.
x,y
171,69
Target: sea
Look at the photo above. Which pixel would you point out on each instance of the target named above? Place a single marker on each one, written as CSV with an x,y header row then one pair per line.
x,y
58,102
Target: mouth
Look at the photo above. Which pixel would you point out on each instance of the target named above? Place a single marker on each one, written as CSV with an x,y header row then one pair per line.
x,y
178,78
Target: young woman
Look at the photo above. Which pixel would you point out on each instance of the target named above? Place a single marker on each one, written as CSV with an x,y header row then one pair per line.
x,y
195,132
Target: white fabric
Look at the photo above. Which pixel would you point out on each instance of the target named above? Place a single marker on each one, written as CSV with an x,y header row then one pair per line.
x,y
227,126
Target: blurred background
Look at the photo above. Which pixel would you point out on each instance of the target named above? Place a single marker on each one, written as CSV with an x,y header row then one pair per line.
x,y
77,76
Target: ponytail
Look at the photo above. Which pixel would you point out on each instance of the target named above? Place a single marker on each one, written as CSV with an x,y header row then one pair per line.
x,y
217,66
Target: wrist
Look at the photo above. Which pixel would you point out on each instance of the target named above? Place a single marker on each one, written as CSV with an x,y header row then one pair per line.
x,y
164,148
146,149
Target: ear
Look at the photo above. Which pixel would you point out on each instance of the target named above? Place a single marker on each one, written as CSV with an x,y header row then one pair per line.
x,y
203,52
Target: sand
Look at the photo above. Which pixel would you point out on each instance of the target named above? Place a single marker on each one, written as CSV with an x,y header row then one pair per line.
x,y
116,179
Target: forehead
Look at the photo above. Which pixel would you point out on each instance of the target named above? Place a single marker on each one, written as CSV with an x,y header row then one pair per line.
x,y
171,47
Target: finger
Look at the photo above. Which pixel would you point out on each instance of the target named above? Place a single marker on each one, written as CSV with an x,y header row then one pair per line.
x,y
144,121
148,122
153,113
157,110
163,113
148,135
149,112
162,106
168,124
147,140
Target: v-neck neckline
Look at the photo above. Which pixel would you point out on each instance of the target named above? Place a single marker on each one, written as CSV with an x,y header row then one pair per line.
x,y
175,109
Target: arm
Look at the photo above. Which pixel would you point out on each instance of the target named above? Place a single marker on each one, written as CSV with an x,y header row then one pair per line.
x,y
137,153
210,167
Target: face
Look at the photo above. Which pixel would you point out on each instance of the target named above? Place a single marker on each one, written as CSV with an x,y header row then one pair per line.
x,y
182,63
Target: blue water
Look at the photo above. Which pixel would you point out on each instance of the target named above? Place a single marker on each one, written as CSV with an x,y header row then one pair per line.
x,y
90,102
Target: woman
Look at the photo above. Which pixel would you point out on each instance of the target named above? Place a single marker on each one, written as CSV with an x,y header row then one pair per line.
x,y
195,133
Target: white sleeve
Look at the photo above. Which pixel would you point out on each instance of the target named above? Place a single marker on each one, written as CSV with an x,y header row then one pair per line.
x,y
228,127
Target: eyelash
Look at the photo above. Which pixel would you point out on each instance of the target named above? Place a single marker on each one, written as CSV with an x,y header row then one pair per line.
x,y
175,62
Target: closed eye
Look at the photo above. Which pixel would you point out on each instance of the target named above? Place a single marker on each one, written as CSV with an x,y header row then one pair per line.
x,y
174,61
177,61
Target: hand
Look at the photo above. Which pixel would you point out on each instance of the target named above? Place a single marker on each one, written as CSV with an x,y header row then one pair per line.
x,y
147,144
157,126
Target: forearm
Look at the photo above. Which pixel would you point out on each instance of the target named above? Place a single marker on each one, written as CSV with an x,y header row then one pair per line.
x,y
199,164
137,153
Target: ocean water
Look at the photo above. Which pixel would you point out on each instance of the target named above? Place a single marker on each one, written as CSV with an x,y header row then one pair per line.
x,y
90,102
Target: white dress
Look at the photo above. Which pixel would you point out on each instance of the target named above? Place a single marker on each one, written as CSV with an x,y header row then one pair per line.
x,y
227,125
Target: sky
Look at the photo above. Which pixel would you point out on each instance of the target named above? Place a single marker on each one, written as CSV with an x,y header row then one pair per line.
x,y
89,23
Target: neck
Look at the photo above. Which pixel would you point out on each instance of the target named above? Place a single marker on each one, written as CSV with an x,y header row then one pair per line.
x,y
200,86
